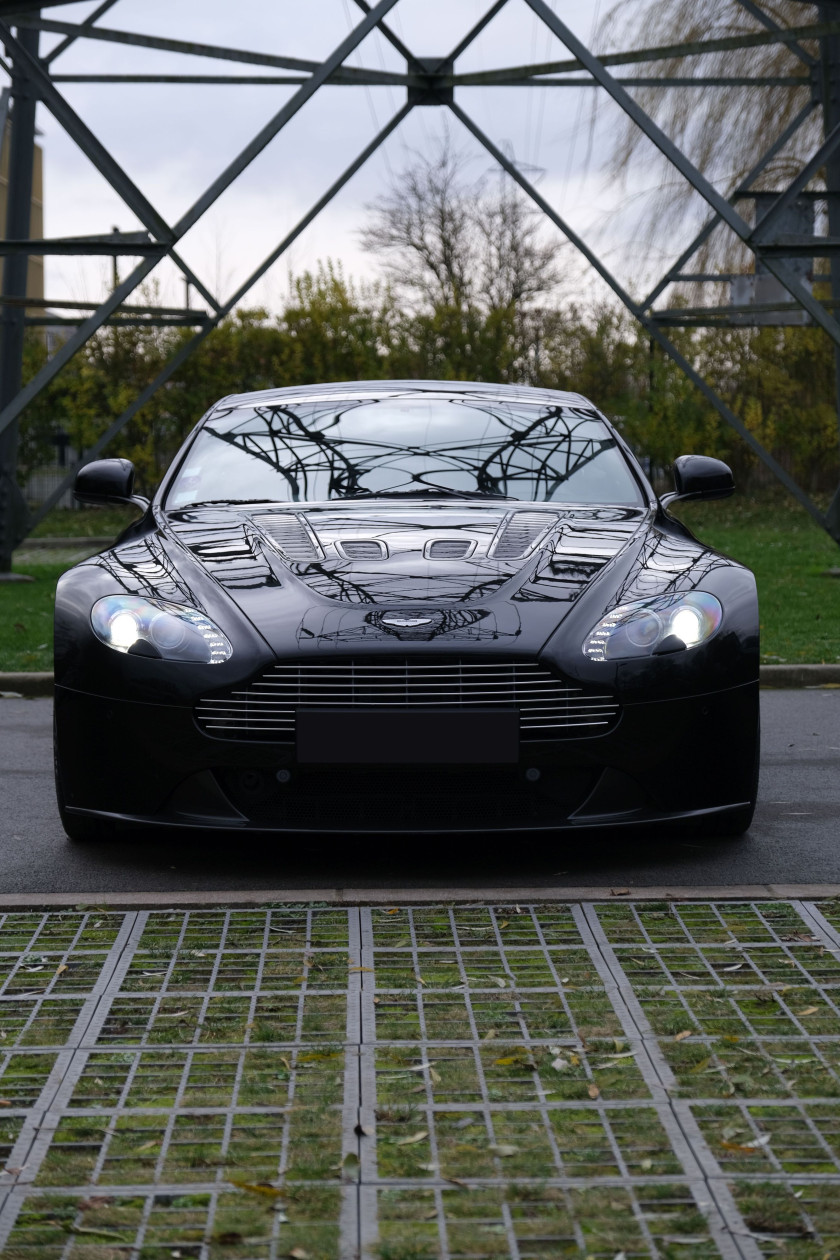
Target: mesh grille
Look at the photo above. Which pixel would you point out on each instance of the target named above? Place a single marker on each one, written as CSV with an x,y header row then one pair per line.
x,y
549,707
520,532
363,549
289,533
448,548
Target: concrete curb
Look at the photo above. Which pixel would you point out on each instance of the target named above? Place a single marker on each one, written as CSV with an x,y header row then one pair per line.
x,y
417,896
776,676
28,685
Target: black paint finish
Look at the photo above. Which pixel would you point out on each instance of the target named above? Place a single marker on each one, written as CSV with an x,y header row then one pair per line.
x,y
368,584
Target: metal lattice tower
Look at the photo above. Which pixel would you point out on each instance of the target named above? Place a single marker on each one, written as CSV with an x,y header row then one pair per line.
x,y
429,82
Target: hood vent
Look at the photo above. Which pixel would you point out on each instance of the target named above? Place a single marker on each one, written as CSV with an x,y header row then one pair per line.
x,y
362,549
220,550
449,548
290,535
591,546
520,533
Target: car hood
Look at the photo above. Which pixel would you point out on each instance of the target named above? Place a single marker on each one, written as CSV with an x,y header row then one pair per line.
x,y
343,573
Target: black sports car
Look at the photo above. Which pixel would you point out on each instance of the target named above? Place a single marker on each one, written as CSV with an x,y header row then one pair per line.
x,y
405,606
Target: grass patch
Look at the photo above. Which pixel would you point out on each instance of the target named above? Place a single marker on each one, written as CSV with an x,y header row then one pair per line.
x,y
26,618
790,556
88,522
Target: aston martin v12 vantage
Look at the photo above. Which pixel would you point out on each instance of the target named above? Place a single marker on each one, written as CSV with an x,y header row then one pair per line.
x,y
406,606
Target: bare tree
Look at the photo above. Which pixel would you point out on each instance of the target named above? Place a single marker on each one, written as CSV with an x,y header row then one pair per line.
x,y
446,241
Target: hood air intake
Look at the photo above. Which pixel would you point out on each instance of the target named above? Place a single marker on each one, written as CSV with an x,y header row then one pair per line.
x,y
519,534
290,535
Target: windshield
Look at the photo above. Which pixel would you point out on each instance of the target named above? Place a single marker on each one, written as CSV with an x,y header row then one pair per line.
x,y
395,447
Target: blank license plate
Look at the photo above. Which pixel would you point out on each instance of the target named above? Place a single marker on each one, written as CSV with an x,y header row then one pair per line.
x,y
466,737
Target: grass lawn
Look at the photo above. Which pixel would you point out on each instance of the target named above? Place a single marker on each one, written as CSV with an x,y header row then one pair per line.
x,y
791,556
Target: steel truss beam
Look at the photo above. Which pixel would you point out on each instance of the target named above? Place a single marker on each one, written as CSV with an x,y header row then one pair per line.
x,y
428,82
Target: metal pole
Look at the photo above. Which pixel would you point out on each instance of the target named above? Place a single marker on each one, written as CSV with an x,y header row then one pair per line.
x,y
14,514
830,85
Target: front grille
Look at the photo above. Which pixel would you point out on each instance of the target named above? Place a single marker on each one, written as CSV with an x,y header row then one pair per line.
x,y
549,706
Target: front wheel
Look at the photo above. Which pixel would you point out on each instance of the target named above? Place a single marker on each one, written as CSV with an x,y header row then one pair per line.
x,y
737,821
77,827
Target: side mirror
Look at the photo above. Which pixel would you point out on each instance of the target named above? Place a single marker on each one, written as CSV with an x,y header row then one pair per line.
x,y
107,481
700,477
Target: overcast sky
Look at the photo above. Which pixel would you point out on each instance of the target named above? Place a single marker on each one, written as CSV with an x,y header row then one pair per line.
x,y
174,139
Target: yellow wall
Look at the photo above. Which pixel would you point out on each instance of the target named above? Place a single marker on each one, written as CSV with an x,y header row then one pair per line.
x,y
35,278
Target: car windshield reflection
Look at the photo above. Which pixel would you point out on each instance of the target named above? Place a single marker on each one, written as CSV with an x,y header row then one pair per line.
x,y
401,447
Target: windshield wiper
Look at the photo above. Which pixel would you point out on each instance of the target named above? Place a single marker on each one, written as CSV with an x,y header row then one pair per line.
x,y
185,507
434,492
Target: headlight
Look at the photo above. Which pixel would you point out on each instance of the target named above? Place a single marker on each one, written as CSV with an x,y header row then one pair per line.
x,y
154,627
639,628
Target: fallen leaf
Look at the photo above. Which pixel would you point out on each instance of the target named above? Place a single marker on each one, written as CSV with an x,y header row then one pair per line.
x,y
522,1060
681,1036
427,1167
811,1010
619,892
593,1091
297,1253
59,970
434,1076
498,980
488,1036
504,1152
415,1137
702,1065
646,1165
734,967
5,1102
257,1187
147,1146
504,925
560,1064
391,911
360,968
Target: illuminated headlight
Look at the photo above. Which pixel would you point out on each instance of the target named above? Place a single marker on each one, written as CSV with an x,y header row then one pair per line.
x,y
154,627
639,628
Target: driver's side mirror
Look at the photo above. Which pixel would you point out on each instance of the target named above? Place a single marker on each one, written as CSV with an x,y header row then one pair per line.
x,y
700,477
107,481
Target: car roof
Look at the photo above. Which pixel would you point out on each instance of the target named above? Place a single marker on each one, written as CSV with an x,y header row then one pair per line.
x,y
393,389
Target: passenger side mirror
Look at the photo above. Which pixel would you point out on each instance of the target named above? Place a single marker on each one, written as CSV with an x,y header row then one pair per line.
x,y
107,481
700,477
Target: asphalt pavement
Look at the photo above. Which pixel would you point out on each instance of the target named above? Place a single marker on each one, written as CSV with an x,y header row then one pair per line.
x,y
794,840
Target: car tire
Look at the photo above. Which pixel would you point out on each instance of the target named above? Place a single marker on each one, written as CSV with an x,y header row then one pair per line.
x,y
77,827
736,822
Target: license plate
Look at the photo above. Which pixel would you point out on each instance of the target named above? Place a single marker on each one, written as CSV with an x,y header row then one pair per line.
x,y
402,737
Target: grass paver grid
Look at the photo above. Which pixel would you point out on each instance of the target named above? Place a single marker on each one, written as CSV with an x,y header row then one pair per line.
x,y
508,1099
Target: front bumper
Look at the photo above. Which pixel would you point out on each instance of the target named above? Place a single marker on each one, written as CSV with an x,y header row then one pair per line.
x,y
664,761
